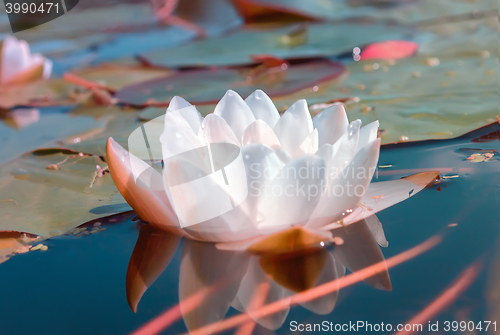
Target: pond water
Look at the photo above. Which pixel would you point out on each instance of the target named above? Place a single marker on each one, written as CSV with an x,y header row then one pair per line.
x,y
118,275
78,286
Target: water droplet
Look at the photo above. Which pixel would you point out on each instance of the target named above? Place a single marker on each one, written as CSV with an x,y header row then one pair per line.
x,y
247,156
178,135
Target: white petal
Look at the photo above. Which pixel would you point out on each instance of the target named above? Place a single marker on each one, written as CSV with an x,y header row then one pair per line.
x,y
197,273
309,146
377,230
214,129
144,142
343,195
325,304
384,194
331,124
260,132
368,134
263,107
217,208
238,223
178,136
359,251
283,155
345,148
236,112
187,111
253,284
326,152
292,196
262,166
206,200
294,126
16,59
152,206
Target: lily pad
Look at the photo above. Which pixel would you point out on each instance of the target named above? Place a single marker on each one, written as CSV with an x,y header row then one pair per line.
x,y
415,100
208,85
50,126
460,39
325,39
401,11
113,28
60,194
120,126
432,11
117,76
38,93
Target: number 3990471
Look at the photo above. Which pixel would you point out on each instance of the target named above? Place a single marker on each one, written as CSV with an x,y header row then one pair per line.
x,y
32,7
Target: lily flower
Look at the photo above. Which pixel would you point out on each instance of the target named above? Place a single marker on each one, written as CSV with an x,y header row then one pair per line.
x,y
244,173
18,65
239,279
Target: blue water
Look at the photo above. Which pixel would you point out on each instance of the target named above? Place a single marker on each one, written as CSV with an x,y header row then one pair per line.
x,y
77,286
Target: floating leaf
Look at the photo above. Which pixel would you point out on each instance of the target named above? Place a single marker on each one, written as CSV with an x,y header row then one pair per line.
x,y
116,76
38,93
120,126
441,101
53,125
461,39
400,11
326,39
208,85
47,200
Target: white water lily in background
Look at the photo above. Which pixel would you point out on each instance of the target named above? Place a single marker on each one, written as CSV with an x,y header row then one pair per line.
x,y
18,65
305,173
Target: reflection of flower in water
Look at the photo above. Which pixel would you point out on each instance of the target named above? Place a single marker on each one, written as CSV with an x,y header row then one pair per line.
x,y
18,65
293,154
240,279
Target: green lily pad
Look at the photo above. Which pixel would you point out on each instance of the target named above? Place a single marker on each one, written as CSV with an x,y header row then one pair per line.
x,y
55,92
416,101
79,30
38,198
436,10
117,76
38,93
120,126
208,85
400,11
46,129
466,38
325,39
420,118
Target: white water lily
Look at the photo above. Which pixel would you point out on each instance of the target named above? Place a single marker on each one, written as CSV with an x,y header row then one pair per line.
x,y
270,278
18,65
305,173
